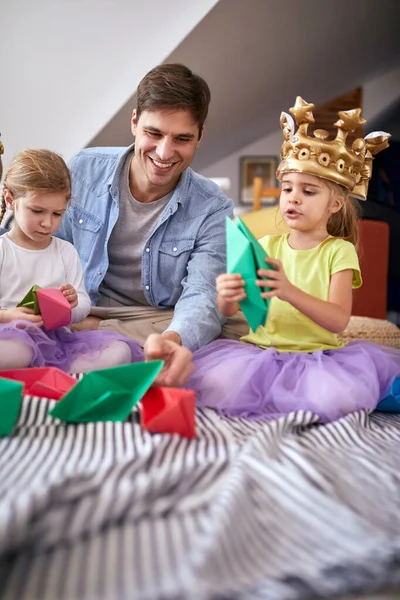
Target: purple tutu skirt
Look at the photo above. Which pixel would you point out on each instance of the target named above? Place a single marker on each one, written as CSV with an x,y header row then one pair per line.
x,y
60,347
244,380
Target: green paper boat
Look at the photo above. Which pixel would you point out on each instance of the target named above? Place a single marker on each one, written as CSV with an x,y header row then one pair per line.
x,y
107,394
245,255
30,300
10,404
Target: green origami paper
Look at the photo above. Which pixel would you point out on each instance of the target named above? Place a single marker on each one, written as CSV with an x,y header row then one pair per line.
x,y
108,394
10,404
30,300
245,256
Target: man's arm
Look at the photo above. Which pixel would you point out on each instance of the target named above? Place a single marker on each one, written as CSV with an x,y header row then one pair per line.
x,y
197,320
64,232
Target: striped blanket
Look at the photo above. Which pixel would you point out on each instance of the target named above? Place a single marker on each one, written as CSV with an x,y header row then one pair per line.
x,y
280,510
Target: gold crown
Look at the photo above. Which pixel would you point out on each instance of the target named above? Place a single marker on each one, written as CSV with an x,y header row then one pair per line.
x,y
330,159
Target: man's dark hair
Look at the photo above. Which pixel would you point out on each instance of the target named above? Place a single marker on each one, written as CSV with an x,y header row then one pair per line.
x,y
174,86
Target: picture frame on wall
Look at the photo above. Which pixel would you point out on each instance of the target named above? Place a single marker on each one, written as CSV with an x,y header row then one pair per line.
x,y
257,166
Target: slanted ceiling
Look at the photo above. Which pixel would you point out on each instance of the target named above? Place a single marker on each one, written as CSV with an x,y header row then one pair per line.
x,y
257,56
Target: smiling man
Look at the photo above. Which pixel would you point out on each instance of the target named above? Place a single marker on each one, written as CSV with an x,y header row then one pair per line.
x,y
148,229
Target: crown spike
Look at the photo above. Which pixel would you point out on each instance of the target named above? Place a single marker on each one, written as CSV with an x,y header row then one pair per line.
x,y
331,159
302,111
287,125
377,141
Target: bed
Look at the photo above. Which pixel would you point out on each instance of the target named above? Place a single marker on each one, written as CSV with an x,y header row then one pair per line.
x,y
282,510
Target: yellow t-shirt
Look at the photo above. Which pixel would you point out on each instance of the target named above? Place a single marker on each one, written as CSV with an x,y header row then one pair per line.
x,y
286,328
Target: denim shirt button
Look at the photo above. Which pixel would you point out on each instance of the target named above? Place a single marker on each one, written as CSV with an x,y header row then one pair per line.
x,y
175,249
80,221
147,249
147,287
98,272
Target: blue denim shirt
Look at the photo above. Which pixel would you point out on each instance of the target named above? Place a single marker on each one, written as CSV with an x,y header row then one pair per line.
x,y
186,249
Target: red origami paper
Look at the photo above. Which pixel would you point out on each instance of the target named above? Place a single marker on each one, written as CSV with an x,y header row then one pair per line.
x,y
54,308
46,382
169,410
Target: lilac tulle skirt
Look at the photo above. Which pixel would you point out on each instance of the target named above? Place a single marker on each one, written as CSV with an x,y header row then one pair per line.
x,y
244,380
60,347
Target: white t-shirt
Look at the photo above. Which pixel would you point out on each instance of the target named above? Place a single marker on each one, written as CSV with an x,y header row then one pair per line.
x,y
57,264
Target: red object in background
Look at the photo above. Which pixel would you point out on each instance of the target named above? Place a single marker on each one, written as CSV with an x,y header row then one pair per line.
x,y
371,299
46,382
169,410
54,308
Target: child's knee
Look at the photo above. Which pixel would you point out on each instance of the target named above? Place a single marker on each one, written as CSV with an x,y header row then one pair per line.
x,y
119,353
115,354
15,354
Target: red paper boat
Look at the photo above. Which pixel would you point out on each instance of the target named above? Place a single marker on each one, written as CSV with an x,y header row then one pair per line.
x,y
46,382
54,308
169,410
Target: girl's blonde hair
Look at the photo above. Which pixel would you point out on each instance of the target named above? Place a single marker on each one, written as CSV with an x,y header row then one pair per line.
x,y
344,223
36,171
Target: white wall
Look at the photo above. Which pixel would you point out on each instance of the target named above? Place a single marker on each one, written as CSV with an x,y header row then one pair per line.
x,y
68,65
378,94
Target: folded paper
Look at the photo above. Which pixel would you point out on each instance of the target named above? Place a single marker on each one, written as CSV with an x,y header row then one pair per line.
x,y
54,308
31,300
46,382
107,394
51,304
245,256
169,410
391,401
10,404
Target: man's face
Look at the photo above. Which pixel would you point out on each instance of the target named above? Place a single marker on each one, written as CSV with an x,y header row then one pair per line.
x,y
165,144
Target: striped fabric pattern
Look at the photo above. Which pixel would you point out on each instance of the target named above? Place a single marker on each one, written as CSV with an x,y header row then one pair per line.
x,y
281,510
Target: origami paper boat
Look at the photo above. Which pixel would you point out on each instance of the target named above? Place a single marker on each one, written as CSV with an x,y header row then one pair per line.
x,y
107,394
46,382
30,300
51,304
10,404
391,401
169,410
54,308
245,256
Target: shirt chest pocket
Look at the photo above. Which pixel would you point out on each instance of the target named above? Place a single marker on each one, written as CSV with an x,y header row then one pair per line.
x,y
85,227
174,257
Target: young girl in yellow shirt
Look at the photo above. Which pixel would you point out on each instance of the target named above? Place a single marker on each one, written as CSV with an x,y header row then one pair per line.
x,y
295,360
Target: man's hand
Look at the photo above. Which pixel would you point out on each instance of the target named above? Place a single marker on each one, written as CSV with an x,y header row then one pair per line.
x,y
70,294
177,359
20,314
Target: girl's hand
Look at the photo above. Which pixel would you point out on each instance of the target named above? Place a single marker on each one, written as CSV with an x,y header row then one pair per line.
x,y
21,313
276,280
231,287
70,294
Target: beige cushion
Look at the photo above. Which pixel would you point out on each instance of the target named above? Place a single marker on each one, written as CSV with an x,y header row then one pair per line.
x,y
377,331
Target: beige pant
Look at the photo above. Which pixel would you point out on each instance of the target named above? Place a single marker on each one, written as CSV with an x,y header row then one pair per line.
x,y
139,321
